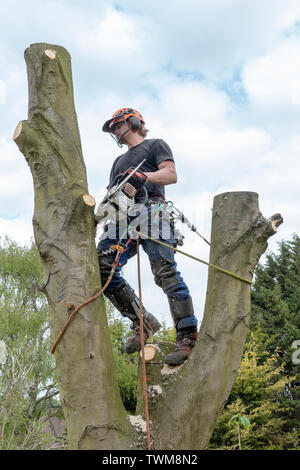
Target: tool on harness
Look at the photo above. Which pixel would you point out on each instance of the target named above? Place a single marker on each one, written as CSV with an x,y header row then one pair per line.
x,y
121,197
176,214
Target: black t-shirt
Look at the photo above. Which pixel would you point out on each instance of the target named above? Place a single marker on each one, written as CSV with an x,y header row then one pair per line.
x,y
155,151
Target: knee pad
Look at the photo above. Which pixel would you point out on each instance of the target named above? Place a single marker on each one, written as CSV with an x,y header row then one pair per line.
x,y
125,300
180,308
106,260
164,273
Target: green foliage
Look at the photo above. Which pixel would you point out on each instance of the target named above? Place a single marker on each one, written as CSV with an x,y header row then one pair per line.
x,y
255,397
27,377
166,334
126,365
276,308
28,385
263,409
267,387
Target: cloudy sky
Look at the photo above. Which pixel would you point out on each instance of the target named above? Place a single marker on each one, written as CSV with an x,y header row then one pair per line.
x,y
219,80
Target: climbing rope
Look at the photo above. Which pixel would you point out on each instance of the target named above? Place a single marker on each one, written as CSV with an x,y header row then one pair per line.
x,y
145,391
236,276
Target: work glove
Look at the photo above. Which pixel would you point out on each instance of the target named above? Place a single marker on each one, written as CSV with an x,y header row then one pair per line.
x,y
137,179
134,187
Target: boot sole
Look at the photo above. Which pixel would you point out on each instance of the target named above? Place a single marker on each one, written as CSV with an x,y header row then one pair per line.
x,y
174,362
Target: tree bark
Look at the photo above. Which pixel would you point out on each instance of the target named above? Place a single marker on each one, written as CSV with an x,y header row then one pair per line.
x,y
63,224
188,398
185,400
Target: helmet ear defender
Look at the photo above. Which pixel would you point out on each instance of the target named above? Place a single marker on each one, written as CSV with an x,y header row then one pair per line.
x,y
134,123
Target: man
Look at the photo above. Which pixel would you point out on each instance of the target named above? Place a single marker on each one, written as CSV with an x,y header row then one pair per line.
x,y
127,126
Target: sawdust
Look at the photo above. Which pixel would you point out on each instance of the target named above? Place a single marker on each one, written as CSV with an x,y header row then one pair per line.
x,y
169,370
138,421
155,390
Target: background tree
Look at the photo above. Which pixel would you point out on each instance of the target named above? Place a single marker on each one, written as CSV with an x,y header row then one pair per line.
x,y
263,391
276,308
256,394
29,394
28,385
272,386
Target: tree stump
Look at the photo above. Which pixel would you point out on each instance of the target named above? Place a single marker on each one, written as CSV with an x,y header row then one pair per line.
x,y
184,401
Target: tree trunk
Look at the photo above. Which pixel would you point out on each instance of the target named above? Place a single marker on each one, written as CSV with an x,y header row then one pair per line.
x,y
188,398
63,228
184,407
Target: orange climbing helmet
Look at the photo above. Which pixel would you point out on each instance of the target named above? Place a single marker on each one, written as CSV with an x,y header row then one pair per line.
x,y
130,115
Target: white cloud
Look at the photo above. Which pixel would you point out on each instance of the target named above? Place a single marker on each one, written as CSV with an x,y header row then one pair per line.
x,y
16,191
273,80
18,229
2,92
215,37
117,33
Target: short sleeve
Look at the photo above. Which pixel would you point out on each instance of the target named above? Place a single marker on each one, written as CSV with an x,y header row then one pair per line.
x,y
162,151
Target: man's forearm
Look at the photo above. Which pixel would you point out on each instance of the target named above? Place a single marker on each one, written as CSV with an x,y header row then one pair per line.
x,y
164,176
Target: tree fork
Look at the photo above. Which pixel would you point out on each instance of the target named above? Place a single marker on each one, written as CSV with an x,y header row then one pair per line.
x,y
63,224
186,406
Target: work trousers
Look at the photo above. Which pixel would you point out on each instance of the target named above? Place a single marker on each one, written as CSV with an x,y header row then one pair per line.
x,y
163,266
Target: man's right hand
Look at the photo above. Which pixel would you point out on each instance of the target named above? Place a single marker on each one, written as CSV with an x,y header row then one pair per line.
x,y
137,179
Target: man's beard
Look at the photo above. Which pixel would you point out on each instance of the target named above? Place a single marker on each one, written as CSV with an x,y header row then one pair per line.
x,y
122,138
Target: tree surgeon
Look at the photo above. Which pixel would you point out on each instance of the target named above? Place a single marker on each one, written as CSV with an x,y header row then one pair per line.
x,y
127,126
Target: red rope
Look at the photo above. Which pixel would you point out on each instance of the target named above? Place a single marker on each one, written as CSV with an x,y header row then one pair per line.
x,y
62,331
145,393
120,250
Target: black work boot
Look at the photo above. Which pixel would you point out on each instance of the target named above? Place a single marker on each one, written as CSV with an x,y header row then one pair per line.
x,y
151,326
185,341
